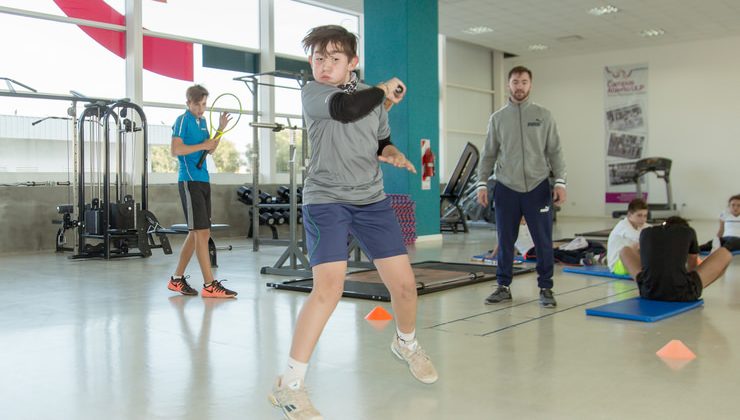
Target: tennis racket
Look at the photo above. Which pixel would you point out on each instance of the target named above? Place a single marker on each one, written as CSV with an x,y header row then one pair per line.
x,y
227,102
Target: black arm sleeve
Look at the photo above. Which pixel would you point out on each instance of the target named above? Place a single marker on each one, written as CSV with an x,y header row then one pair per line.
x,y
382,144
347,107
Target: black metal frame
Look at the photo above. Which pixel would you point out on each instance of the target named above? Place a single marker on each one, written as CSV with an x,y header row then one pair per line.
x,y
115,242
454,215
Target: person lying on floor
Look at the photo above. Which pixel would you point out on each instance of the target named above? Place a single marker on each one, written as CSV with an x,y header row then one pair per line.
x,y
666,267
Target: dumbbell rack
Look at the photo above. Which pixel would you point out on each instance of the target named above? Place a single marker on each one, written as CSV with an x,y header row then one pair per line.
x,y
294,253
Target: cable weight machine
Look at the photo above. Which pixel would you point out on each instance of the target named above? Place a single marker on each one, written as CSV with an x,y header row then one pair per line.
x,y
122,236
114,220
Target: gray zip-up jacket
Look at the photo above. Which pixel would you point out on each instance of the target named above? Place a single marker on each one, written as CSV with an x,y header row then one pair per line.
x,y
524,145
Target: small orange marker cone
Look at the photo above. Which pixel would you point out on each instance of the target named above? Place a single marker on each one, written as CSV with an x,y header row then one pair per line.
x,y
378,314
675,349
676,355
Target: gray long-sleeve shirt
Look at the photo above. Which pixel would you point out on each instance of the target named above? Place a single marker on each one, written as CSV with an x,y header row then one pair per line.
x,y
524,145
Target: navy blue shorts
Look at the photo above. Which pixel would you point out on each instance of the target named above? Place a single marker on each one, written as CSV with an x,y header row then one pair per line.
x,y
374,225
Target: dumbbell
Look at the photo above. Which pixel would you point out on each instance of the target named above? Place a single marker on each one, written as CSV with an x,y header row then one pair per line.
x,y
283,194
279,217
265,218
266,198
244,194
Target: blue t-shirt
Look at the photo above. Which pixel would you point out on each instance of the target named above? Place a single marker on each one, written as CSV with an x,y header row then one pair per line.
x,y
192,131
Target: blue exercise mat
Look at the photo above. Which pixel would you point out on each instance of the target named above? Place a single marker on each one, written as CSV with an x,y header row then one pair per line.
x,y
706,253
596,270
639,309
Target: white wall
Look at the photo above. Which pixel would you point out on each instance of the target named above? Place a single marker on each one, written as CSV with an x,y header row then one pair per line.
x,y
693,113
468,101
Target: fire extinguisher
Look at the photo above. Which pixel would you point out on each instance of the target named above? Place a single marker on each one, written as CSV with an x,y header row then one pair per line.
x,y
427,163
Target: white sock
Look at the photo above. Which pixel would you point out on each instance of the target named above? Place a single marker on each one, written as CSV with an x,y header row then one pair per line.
x,y
295,372
407,339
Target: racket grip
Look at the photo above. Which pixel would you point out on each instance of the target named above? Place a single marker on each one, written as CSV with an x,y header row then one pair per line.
x,y
388,103
202,159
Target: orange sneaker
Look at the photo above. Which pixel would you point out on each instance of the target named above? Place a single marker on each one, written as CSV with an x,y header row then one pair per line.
x,y
216,290
181,285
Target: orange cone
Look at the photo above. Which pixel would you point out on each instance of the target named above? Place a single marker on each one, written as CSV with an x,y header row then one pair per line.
x,y
379,314
675,354
675,349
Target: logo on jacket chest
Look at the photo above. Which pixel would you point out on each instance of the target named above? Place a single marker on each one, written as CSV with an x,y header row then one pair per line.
x,y
536,123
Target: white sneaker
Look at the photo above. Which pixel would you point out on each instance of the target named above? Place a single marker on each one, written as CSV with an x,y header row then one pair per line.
x,y
579,242
293,400
419,363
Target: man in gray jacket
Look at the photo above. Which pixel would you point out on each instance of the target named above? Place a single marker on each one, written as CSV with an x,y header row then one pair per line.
x,y
524,147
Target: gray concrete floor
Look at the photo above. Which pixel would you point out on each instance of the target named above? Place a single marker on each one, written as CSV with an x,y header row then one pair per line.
x,y
107,340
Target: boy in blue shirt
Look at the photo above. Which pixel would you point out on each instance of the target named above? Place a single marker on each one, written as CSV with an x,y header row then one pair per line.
x,y
343,193
189,137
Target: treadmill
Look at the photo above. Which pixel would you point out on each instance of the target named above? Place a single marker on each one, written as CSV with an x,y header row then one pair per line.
x,y
661,167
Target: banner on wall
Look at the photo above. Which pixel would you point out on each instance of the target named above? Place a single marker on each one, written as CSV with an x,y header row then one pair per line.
x,y
626,128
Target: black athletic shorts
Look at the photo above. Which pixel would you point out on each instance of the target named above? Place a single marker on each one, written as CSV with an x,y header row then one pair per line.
x,y
196,203
691,292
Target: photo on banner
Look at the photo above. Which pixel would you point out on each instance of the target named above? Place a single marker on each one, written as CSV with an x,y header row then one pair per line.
x,y
625,130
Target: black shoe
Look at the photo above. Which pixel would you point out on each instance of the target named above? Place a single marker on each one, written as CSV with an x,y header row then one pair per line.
x,y
502,293
547,299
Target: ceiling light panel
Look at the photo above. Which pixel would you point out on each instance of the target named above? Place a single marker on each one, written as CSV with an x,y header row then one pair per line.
x,y
647,33
477,30
603,10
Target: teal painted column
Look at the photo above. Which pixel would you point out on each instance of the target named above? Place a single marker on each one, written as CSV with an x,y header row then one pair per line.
x,y
401,38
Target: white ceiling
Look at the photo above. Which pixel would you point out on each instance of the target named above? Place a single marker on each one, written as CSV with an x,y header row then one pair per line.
x,y
517,24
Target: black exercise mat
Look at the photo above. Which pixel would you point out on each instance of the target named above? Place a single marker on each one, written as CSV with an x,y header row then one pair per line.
x,y
431,276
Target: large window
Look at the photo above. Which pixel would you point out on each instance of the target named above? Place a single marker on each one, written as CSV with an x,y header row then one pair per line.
x,y
233,22
50,57
230,24
44,50
293,20
97,10
55,57
231,156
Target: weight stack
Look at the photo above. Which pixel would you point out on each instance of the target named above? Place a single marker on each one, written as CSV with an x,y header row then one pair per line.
x,y
405,210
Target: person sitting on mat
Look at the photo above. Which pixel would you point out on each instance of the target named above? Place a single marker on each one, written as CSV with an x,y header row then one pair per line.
x,y
729,220
189,137
626,233
729,225
349,134
666,267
